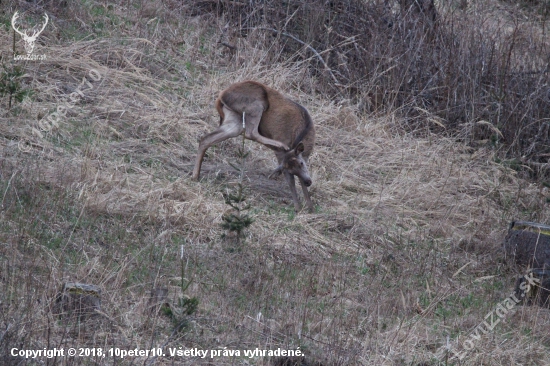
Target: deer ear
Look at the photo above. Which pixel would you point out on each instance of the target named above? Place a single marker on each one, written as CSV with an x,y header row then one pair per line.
x,y
300,148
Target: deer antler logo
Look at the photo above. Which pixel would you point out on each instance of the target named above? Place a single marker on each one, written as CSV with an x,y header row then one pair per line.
x,y
29,40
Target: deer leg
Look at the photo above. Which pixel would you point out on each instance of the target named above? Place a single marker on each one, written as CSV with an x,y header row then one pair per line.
x,y
276,172
279,169
253,116
306,196
290,179
231,127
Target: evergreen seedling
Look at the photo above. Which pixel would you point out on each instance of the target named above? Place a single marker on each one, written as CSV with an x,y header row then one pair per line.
x,y
237,220
10,84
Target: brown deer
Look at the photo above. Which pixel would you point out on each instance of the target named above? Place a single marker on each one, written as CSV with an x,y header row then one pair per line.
x,y
267,117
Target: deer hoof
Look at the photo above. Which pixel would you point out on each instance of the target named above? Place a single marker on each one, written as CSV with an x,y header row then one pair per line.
x,y
276,172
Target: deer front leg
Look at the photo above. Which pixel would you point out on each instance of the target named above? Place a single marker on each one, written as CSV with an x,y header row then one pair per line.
x,y
231,127
309,204
290,179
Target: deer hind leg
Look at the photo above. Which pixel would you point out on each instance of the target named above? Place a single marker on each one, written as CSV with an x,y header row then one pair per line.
x,y
275,172
290,179
231,127
253,116
279,169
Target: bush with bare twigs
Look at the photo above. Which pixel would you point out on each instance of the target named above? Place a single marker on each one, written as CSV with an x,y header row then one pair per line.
x,y
476,73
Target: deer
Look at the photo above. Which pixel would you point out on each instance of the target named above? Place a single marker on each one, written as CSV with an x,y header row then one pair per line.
x,y
29,40
269,118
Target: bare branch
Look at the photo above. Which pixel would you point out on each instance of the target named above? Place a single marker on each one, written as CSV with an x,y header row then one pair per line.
x,y
317,54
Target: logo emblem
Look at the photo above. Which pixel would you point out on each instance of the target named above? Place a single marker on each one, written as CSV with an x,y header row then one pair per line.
x,y
29,39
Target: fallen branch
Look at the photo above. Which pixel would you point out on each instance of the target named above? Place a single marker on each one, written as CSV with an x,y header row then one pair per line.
x,y
228,46
536,165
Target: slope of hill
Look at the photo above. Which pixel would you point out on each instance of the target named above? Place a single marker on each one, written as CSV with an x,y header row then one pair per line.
x,y
401,260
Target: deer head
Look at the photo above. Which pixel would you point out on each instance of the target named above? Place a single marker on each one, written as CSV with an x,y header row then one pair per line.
x,y
294,163
29,39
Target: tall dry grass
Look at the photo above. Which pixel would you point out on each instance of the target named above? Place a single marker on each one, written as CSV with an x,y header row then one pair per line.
x,y
403,251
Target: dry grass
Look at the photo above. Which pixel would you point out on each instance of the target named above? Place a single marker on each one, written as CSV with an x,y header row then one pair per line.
x,y
394,260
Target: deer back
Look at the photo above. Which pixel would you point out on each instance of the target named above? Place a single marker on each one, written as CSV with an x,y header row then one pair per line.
x,y
288,122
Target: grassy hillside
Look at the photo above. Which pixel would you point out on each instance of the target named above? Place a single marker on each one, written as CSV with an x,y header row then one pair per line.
x,y
401,257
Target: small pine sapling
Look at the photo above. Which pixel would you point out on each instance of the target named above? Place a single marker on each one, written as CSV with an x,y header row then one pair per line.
x,y
236,220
